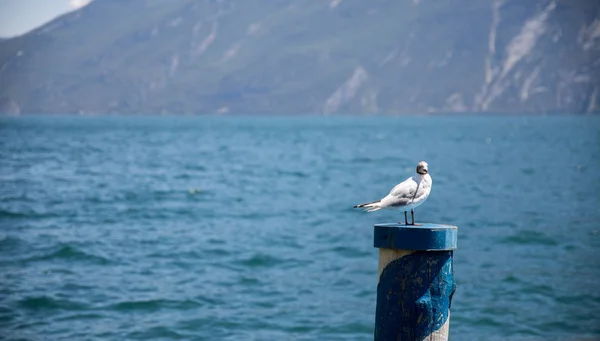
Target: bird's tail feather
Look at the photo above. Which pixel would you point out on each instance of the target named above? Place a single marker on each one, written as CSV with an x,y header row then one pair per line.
x,y
370,206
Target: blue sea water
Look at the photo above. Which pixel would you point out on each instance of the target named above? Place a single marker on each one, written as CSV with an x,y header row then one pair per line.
x,y
229,228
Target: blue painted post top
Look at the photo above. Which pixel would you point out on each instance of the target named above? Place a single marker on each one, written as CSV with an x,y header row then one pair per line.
x,y
425,237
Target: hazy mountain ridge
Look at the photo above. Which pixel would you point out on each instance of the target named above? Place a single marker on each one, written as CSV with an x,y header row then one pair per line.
x,y
342,56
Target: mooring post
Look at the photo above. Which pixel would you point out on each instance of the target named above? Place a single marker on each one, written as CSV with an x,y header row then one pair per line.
x,y
416,281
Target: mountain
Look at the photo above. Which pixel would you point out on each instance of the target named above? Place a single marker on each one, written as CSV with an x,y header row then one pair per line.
x,y
313,57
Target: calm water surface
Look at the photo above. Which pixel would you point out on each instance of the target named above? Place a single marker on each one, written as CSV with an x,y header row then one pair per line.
x,y
209,228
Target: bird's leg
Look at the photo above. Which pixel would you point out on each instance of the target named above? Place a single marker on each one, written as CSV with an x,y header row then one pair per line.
x,y
412,214
405,219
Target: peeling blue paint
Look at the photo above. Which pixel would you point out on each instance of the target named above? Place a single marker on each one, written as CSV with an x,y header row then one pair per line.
x,y
414,295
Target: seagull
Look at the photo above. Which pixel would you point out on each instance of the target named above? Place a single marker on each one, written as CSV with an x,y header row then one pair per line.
x,y
407,195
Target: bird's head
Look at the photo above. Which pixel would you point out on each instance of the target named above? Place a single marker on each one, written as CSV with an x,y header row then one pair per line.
x,y
422,168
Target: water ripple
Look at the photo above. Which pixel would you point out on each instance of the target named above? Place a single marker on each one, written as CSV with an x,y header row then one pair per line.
x,y
155,304
42,303
69,253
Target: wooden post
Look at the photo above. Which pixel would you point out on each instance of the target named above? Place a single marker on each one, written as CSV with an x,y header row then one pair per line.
x,y
416,281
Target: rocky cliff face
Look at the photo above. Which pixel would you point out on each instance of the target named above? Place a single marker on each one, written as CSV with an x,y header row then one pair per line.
x,y
341,56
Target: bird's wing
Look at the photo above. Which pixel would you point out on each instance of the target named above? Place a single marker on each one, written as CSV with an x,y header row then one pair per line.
x,y
402,194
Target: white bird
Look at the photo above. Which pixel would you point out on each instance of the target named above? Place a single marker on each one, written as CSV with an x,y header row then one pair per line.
x,y
407,195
